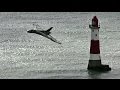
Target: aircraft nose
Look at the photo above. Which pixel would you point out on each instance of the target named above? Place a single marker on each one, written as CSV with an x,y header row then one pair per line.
x,y
29,31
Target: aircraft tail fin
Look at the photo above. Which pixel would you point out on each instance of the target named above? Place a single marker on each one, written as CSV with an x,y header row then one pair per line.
x,y
49,29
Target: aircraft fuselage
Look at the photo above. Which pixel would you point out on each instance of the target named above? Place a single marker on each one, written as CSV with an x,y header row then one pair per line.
x,y
39,32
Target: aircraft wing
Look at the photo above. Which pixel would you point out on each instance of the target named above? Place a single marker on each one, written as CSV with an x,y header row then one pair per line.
x,y
49,37
53,39
37,27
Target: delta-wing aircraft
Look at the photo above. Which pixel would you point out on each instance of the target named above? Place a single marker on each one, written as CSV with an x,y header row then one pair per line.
x,y
44,33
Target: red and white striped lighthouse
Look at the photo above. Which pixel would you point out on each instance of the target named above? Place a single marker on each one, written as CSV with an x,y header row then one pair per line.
x,y
95,59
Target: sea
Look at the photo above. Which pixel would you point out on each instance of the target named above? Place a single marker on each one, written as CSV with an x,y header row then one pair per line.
x,y
30,56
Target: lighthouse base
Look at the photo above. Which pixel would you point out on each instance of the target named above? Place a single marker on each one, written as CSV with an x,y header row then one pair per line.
x,y
97,66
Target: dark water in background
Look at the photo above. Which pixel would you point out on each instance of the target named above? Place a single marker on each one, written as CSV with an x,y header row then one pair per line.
x,y
24,55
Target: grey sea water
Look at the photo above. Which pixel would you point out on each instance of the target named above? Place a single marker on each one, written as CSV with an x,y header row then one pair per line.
x,y
31,56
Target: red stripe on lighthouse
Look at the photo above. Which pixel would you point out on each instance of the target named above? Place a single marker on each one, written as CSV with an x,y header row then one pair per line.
x,y
94,48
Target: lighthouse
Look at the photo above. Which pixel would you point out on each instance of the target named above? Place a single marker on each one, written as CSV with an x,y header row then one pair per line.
x,y
95,58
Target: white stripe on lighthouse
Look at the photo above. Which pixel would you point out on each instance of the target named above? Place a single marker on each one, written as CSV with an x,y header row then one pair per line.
x,y
95,57
94,34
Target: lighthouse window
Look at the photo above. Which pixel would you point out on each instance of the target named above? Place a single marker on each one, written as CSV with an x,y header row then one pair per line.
x,y
96,34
